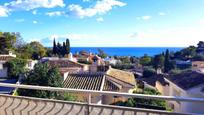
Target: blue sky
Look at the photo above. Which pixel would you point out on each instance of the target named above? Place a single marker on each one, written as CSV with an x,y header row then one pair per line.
x,y
124,23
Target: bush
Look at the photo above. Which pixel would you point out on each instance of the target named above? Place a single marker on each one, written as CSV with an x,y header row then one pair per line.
x,y
16,67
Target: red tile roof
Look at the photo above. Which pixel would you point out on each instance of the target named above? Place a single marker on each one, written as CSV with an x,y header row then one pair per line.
x,y
5,58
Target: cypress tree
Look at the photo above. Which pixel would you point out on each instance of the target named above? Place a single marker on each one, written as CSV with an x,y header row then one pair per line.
x,y
167,62
64,49
54,49
67,46
59,49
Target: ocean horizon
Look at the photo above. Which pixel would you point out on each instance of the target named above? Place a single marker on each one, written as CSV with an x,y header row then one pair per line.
x,y
127,51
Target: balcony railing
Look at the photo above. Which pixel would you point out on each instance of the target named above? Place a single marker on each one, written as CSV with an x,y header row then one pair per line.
x,y
29,105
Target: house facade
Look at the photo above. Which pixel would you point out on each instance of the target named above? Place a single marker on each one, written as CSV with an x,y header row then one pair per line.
x,y
198,66
3,59
188,84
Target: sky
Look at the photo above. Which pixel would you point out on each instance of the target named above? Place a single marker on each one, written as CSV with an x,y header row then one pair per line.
x,y
106,23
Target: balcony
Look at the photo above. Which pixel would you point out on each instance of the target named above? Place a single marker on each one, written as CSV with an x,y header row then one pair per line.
x,y
18,105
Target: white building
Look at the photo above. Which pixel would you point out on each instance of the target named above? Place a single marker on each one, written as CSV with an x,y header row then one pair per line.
x,y
30,64
187,84
3,60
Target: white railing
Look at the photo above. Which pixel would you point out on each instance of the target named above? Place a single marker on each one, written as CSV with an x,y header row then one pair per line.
x,y
90,92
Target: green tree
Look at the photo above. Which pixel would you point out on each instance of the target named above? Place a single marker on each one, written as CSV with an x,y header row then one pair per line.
x,y
67,46
42,75
16,67
200,44
54,47
101,53
64,49
145,60
167,65
7,42
158,62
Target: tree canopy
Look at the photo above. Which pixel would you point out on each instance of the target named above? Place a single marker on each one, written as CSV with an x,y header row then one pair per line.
x,y
61,49
16,67
7,41
145,60
42,75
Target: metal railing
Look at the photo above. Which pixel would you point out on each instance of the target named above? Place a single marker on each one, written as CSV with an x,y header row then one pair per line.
x,y
90,92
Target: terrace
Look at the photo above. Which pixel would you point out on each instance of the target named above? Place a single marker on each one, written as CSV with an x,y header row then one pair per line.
x,y
16,105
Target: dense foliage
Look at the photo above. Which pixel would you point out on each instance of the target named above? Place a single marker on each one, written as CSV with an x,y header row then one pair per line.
x,y
61,49
101,53
16,67
34,50
7,42
145,103
42,75
145,60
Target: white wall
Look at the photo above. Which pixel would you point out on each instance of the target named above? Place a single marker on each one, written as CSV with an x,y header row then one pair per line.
x,y
187,107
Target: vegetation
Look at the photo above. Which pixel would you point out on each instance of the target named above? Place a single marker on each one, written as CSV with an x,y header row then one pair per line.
x,y
158,61
148,72
101,53
145,103
7,42
61,49
42,75
145,60
16,67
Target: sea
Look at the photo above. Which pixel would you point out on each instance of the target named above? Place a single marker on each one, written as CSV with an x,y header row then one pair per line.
x,y
127,51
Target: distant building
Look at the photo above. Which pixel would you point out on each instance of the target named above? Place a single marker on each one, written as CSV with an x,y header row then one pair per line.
x,y
198,66
112,61
31,63
183,64
112,80
187,84
3,59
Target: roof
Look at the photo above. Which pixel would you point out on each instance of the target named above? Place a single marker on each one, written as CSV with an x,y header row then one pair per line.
x,y
64,63
5,57
70,70
151,80
187,79
124,76
109,86
88,81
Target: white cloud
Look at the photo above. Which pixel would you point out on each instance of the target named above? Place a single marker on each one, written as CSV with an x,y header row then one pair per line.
x,y
29,5
19,20
202,22
56,13
177,36
35,22
34,12
146,17
73,37
3,11
101,7
162,13
100,19
33,4
133,35
86,0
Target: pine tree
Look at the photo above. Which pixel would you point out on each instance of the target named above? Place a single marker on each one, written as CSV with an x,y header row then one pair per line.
x,y
67,46
54,47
